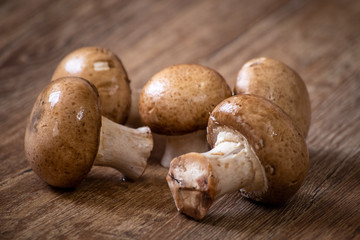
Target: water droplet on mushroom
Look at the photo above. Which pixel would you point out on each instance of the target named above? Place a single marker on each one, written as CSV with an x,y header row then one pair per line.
x,y
80,114
54,98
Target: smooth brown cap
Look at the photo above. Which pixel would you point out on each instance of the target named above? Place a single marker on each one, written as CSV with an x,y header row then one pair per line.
x,y
277,142
278,83
179,99
62,136
104,69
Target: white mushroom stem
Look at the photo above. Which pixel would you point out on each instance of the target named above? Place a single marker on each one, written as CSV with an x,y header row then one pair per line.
x,y
197,179
123,148
181,144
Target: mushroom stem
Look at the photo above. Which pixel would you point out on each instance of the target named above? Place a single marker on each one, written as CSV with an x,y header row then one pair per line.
x,y
123,148
181,144
197,179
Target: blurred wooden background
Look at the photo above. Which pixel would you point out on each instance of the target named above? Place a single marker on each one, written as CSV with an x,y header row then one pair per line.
x,y
320,39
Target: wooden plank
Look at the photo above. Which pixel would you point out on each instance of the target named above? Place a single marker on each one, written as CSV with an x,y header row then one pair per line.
x,y
59,41
320,39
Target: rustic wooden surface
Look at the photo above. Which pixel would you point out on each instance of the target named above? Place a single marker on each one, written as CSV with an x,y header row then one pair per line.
x,y
319,38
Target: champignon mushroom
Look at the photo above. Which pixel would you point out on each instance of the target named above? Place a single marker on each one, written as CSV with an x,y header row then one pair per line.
x,y
66,135
104,69
278,83
177,101
257,149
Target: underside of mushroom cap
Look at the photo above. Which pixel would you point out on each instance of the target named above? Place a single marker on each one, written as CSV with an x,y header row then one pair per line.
x,y
62,136
277,142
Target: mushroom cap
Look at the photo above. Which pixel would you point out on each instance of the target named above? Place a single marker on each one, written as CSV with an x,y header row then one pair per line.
x,y
104,69
278,83
179,99
277,142
62,136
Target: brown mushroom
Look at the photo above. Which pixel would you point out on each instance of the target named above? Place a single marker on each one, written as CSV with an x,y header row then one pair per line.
x,y
104,69
66,135
257,149
177,101
278,83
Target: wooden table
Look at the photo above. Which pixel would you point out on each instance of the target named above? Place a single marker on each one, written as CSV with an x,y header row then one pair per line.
x,y
319,38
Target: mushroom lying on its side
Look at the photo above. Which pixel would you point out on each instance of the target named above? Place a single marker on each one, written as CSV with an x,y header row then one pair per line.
x,y
66,134
275,81
257,149
177,101
104,69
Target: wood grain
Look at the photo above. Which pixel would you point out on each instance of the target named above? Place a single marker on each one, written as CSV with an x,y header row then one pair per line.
x,y
320,39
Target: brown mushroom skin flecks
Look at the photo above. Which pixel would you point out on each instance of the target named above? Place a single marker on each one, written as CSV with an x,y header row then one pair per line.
x,y
105,70
275,81
276,140
62,136
178,99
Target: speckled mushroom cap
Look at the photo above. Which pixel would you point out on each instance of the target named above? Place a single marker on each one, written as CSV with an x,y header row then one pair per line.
x,y
178,99
104,69
277,142
277,82
62,136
